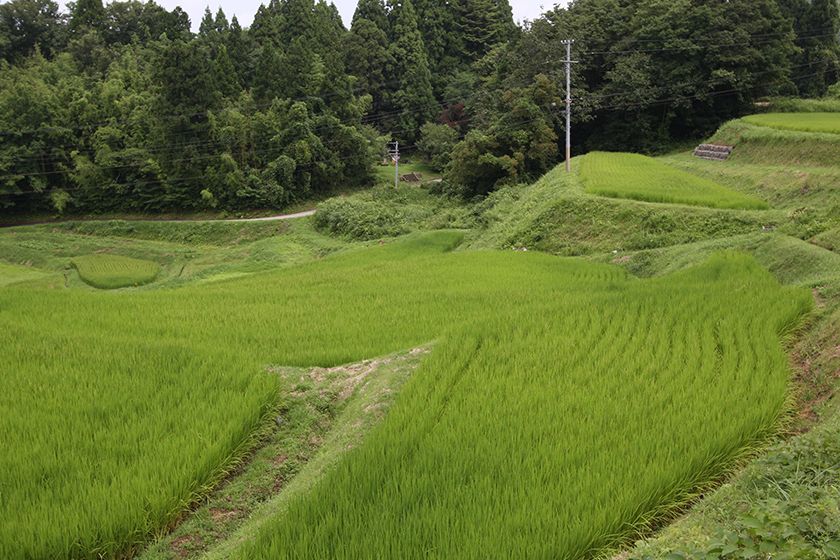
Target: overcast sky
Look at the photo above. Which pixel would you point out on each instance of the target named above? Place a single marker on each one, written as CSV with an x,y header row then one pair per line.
x,y
245,9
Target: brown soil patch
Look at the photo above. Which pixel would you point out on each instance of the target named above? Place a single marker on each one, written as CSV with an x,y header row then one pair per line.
x,y
184,545
220,515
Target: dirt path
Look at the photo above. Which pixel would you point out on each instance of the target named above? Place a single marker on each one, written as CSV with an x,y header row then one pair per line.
x,y
277,218
269,218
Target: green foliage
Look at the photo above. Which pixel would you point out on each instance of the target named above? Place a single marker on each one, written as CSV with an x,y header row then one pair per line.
x,y
360,219
27,25
806,122
109,272
388,212
436,144
643,83
413,99
125,113
643,178
367,58
817,24
519,146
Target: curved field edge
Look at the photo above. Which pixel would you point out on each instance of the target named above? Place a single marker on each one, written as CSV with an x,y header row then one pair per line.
x,y
762,507
638,177
456,485
786,503
110,272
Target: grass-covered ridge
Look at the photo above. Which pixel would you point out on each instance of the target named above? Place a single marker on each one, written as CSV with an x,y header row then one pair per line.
x,y
109,272
805,122
122,441
638,177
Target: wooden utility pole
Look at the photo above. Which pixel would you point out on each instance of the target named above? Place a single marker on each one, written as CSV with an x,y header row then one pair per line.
x,y
569,62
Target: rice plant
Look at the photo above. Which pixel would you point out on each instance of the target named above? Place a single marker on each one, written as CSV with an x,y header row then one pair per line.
x,y
805,122
564,403
637,177
109,272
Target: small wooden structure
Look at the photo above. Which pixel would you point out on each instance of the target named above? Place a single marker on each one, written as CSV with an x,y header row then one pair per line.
x,y
713,152
412,178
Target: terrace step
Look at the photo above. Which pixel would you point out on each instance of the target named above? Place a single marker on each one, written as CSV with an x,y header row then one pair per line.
x,y
713,152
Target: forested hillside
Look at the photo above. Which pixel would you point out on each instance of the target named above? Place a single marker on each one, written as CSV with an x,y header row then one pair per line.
x,y
122,108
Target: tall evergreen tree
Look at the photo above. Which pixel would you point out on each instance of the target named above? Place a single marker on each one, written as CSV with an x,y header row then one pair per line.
x,y
298,21
208,24
239,49
220,24
367,58
327,33
481,25
375,11
266,26
413,100
433,18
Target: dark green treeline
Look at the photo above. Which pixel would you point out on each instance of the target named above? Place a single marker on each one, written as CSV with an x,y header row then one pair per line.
x,y
121,108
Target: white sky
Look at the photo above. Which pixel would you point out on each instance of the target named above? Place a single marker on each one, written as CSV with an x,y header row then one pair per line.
x,y
245,9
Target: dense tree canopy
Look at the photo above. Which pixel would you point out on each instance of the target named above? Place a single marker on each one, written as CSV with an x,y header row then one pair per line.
x,y
119,106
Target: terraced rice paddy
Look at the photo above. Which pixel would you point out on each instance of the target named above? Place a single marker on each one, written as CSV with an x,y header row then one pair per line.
x,y
109,272
637,177
12,274
804,122
564,402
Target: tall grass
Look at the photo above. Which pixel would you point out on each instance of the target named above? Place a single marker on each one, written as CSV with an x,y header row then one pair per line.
x,y
564,403
109,272
618,175
805,122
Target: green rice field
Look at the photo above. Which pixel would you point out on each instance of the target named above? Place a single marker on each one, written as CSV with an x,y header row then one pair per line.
x,y
13,274
803,122
638,177
565,403
109,272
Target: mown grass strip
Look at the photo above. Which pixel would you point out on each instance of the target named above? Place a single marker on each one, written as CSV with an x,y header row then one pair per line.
x,y
637,177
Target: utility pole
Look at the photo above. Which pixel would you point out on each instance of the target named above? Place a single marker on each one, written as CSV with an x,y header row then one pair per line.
x,y
569,62
395,156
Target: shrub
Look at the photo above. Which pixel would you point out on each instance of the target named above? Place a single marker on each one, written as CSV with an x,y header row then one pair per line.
x,y
360,219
